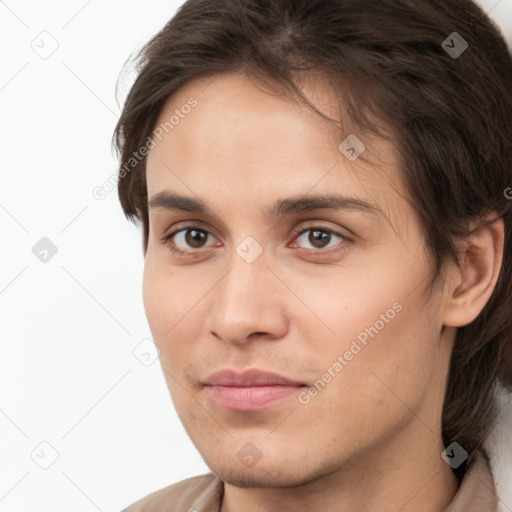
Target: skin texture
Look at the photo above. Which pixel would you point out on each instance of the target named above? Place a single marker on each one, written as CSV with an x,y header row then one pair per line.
x,y
370,440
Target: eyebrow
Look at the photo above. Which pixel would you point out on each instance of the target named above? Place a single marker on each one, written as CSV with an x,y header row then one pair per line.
x,y
172,201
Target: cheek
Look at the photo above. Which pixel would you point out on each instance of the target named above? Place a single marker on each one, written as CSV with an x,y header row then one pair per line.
x,y
388,375
163,293
385,336
171,310
161,314
154,298
160,292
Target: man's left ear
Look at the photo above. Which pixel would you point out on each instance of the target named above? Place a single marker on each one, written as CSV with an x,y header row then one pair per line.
x,y
472,283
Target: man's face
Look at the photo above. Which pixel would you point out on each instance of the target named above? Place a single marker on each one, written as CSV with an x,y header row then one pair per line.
x,y
331,298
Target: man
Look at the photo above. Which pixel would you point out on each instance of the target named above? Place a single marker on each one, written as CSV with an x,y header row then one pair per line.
x,y
322,188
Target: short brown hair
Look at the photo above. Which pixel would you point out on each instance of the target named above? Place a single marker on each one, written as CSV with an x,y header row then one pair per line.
x,y
449,117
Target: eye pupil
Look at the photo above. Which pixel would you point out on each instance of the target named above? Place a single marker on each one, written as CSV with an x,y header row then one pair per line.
x,y
194,237
317,238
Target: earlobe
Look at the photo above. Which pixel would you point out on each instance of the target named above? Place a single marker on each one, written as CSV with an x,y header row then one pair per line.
x,y
472,283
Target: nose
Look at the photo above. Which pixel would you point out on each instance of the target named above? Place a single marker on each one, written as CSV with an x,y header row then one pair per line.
x,y
249,303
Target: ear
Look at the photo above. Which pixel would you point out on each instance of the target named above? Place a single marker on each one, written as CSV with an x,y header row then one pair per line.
x,y
471,283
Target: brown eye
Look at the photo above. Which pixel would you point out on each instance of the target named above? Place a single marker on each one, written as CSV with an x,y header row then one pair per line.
x,y
320,238
195,238
187,240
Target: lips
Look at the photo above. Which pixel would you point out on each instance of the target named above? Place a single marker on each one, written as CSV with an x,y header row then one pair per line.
x,y
248,378
250,390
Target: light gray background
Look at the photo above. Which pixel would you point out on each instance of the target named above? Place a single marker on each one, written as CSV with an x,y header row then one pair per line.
x,y
69,376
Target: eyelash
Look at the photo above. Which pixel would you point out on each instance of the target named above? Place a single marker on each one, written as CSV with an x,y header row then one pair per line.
x,y
297,233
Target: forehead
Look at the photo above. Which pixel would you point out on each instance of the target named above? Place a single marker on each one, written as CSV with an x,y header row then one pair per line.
x,y
251,141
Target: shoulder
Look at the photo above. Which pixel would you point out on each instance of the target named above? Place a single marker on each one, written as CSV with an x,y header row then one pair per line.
x,y
197,494
477,492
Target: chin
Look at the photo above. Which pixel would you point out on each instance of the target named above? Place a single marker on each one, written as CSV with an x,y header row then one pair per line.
x,y
247,479
257,478
264,474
